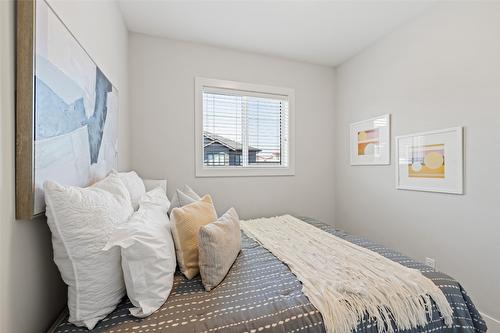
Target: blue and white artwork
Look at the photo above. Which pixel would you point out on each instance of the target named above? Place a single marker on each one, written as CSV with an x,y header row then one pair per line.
x,y
76,110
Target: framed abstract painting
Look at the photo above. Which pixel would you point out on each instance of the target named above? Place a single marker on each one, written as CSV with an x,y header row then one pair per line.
x,y
431,161
370,141
66,110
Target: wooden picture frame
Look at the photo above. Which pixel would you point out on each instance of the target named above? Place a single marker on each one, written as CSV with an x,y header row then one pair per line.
x,y
66,110
25,71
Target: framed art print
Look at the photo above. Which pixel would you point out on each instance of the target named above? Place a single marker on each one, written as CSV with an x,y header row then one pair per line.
x,y
431,161
370,141
66,110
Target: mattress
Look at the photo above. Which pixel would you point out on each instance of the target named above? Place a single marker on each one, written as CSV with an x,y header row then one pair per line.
x,y
260,294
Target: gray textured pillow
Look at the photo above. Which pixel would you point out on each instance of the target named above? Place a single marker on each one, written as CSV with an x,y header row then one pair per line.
x,y
219,243
183,196
151,184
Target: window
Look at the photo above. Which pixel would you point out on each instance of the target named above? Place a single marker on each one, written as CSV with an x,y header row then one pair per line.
x,y
243,129
216,159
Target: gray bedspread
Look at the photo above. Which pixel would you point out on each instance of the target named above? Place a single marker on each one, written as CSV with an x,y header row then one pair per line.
x,y
260,294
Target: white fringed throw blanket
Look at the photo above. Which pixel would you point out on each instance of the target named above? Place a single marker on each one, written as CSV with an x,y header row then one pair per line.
x,y
345,282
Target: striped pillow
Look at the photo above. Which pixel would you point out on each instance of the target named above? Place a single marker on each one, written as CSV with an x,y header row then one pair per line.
x,y
219,245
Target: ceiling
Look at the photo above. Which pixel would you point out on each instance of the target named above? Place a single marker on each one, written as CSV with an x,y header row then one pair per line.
x,y
321,32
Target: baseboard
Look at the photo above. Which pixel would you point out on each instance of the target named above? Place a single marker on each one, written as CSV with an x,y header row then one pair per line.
x,y
492,323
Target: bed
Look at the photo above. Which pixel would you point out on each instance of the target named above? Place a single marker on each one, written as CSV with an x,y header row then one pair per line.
x,y
260,294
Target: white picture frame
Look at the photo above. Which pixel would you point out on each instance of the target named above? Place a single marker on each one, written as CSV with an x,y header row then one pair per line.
x,y
370,141
443,149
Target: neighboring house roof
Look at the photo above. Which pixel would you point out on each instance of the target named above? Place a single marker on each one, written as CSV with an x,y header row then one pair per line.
x,y
231,144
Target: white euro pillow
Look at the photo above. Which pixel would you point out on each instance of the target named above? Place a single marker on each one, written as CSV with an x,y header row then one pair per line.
x,y
134,185
148,254
81,221
157,198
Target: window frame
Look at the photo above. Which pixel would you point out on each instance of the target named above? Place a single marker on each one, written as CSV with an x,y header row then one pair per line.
x,y
250,89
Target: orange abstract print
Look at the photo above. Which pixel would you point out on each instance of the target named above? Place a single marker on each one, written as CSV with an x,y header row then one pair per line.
x,y
368,142
426,161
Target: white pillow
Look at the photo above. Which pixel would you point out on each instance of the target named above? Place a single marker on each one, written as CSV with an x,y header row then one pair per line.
x,y
156,197
148,254
134,185
81,221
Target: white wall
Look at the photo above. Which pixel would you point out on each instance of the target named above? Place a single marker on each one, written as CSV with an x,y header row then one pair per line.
x,y
31,291
162,76
439,71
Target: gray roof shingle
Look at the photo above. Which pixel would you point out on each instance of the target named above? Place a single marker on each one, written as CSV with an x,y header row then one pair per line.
x,y
231,144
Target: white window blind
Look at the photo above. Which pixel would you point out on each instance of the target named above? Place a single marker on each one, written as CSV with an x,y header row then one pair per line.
x,y
251,130
243,129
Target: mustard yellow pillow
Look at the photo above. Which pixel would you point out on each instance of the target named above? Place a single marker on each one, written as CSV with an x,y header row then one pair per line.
x,y
186,222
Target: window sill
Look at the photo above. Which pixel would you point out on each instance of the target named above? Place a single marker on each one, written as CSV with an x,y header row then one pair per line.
x,y
244,172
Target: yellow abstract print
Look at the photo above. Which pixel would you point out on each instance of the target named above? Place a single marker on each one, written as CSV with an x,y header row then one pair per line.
x,y
426,161
368,142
